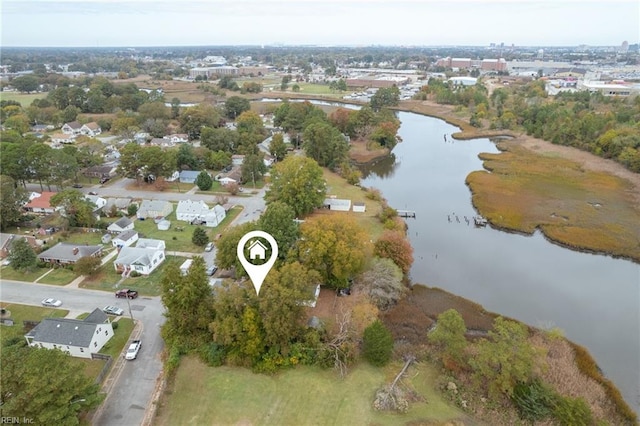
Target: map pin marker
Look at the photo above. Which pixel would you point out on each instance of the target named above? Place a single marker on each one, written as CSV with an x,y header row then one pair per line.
x,y
257,251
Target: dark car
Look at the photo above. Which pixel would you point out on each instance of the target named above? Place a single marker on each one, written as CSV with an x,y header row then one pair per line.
x,y
77,185
104,180
93,193
125,292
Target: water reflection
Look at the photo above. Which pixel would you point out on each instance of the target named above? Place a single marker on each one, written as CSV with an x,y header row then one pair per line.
x,y
383,167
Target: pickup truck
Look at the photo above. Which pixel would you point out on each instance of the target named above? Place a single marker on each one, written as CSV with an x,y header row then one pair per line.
x,y
134,348
125,292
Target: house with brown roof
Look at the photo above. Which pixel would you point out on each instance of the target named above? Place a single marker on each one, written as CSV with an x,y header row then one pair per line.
x,y
72,128
91,129
40,203
69,253
57,138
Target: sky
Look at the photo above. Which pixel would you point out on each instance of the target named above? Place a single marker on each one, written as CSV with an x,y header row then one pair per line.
x,y
104,23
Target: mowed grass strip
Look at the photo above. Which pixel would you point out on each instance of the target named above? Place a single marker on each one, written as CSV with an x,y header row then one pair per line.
x,y
25,99
60,276
301,396
578,208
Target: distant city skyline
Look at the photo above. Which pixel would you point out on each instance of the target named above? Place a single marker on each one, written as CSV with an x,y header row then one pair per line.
x,y
106,23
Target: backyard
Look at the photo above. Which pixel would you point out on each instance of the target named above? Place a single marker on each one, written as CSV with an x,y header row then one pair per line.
x,y
300,396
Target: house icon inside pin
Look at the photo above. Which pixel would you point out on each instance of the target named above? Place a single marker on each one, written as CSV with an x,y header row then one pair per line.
x,y
257,250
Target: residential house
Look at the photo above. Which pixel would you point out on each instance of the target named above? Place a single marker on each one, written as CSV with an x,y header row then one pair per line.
x,y
144,258
40,203
121,225
234,176
7,240
174,177
125,239
237,159
98,201
72,128
190,211
215,216
91,129
69,253
122,204
100,171
177,138
154,209
160,142
184,268
59,138
79,338
188,176
41,128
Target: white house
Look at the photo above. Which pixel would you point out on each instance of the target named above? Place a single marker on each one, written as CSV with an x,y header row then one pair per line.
x,y
177,138
41,203
189,211
121,225
144,258
154,208
79,338
91,129
63,138
125,239
237,159
215,216
97,200
72,128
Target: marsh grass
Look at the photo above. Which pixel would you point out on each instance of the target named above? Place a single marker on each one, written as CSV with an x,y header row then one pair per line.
x,y
581,209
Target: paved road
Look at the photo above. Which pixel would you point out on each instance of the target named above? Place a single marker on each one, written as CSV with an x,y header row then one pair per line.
x,y
133,388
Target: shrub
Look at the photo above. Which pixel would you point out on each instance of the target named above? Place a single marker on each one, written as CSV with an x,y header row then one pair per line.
x,y
534,400
572,412
212,354
115,325
377,344
132,209
200,237
135,274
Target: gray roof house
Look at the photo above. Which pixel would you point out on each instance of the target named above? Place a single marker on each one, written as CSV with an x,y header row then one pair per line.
x,y
79,338
144,258
153,209
125,239
188,176
121,225
68,253
120,203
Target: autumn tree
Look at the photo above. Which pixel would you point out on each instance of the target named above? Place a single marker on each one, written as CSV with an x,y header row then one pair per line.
x,y
194,119
87,265
377,344
236,105
382,282
12,198
44,385
505,358
395,246
449,336
277,148
188,301
325,144
77,209
226,253
298,182
278,220
336,246
22,256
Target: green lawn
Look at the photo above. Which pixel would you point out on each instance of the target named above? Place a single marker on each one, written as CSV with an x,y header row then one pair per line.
x,y
59,276
8,273
24,98
84,238
20,313
317,89
120,338
302,396
107,278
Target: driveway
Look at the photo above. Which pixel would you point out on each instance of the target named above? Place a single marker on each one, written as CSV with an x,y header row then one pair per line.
x,y
133,381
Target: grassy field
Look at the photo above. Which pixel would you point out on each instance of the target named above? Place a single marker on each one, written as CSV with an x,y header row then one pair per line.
x,y
302,396
24,98
574,207
20,313
8,273
120,338
58,276
107,278
337,186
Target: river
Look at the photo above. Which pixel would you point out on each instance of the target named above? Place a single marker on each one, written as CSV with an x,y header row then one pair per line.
x,y
594,299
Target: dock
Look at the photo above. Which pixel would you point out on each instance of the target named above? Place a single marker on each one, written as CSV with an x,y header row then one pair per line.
x,y
406,213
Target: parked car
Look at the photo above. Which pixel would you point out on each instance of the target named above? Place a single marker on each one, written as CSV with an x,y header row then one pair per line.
x,y
54,303
212,270
113,310
93,193
104,180
77,185
125,292
208,247
132,351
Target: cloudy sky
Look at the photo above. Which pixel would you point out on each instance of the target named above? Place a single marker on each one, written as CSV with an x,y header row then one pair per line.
x,y
323,22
